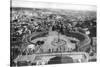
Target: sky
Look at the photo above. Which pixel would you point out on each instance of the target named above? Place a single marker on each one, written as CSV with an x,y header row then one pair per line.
x,y
36,4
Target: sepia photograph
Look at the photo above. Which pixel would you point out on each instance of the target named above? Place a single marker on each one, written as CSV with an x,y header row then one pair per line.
x,y
43,33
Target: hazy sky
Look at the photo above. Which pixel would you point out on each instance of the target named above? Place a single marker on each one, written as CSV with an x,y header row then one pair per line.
x,y
18,3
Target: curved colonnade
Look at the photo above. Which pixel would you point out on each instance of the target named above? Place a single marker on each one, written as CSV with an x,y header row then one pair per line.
x,y
84,40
